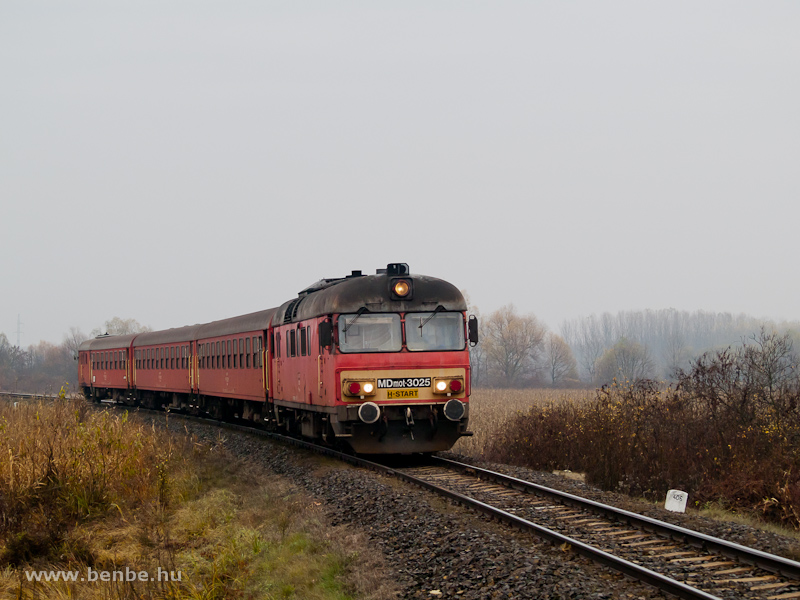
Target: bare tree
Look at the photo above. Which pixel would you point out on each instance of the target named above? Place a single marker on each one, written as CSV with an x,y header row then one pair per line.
x,y
626,361
118,326
559,360
513,345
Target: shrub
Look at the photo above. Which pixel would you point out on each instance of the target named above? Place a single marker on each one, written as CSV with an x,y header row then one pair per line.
x,y
729,432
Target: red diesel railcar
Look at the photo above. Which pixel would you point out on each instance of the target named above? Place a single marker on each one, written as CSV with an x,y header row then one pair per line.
x,y
376,362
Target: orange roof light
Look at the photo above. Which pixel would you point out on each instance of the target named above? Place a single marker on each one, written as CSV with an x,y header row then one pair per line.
x,y
401,288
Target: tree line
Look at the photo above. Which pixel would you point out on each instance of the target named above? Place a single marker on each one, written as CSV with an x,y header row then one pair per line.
x,y
45,367
516,350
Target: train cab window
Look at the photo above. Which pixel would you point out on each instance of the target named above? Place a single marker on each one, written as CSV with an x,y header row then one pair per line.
x,y
303,341
276,347
370,332
292,343
435,331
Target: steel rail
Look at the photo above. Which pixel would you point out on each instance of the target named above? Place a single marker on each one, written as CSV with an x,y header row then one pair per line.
x,y
769,562
638,572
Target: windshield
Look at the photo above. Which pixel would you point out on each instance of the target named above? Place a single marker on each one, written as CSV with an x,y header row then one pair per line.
x,y
435,331
368,332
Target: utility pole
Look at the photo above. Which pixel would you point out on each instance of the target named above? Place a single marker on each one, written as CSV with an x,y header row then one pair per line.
x,y
19,329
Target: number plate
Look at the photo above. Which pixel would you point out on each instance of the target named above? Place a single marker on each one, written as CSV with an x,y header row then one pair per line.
x,y
398,394
407,382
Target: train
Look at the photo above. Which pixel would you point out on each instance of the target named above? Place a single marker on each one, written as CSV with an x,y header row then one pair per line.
x,y
374,364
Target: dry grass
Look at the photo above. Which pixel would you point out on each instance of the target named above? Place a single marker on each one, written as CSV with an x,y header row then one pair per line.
x,y
490,409
84,490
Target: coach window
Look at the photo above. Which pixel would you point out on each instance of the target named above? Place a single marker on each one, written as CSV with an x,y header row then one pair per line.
x,y
247,350
236,362
241,353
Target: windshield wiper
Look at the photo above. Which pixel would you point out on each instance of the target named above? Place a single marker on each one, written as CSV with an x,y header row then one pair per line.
x,y
433,314
360,312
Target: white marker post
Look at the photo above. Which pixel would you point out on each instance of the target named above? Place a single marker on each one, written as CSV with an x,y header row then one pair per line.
x,y
676,501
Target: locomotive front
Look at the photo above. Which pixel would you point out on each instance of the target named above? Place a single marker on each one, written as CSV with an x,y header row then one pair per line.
x,y
393,364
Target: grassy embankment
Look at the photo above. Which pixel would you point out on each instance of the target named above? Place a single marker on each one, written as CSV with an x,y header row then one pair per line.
x,y
644,440
81,489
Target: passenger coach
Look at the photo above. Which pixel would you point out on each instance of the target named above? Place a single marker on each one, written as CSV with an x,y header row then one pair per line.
x,y
376,362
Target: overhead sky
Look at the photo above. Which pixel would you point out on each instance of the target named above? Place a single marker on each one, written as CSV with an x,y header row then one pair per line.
x,y
179,162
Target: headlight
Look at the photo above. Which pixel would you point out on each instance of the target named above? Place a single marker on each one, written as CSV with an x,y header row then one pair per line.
x,y
448,385
358,388
401,288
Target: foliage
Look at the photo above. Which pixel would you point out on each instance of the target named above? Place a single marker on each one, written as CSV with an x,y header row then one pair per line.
x,y
671,338
728,432
89,489
513,345
118,326
624,361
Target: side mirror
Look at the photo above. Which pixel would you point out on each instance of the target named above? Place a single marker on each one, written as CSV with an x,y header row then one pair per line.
x,y
325,334
472,328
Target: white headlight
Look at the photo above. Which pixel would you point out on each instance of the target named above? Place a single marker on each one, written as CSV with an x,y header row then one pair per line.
x,y
368,387
441,386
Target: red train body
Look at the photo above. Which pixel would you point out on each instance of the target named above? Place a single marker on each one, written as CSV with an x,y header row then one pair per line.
x,y
377,362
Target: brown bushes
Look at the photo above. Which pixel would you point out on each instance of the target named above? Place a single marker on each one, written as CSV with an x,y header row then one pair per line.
x,y
62,464
728,433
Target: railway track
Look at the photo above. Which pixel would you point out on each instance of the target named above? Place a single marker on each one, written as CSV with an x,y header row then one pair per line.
x,y
679,561
675,560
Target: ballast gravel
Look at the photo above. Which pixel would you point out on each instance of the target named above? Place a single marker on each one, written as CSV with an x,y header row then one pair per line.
x,y
433,549
436,549
737,533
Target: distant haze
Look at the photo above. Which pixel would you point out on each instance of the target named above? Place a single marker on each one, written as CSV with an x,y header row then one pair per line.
x,y
179,162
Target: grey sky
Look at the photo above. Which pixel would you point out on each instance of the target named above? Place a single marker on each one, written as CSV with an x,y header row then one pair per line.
x,y
184,161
